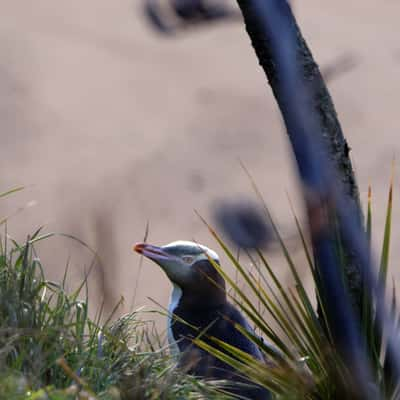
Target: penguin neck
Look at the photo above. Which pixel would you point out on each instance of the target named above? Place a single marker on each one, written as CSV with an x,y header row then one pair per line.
x,y
176,297
173,304
184,299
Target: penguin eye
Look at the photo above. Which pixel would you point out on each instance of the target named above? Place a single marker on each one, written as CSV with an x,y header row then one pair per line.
x,y
188,259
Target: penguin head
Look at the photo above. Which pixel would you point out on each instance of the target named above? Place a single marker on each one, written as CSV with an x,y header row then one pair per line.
x,y
187,265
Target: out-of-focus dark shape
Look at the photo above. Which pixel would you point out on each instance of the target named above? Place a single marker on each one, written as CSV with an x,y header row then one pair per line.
x,y
171,16
196,182
244,224
341,65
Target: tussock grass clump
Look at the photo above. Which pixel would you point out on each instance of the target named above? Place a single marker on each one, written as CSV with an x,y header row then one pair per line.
x,y
51,349
304,362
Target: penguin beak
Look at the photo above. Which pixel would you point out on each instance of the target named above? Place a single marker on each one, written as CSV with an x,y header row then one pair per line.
x,y
155,253
172,265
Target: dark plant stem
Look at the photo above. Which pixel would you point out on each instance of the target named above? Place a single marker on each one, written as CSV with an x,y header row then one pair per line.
x,y
330,132
327,198
331,204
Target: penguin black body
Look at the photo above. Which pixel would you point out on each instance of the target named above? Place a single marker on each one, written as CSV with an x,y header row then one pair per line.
x,y
220,325
199,299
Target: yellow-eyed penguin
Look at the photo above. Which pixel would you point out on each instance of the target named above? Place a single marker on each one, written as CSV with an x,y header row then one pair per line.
x,y
199,299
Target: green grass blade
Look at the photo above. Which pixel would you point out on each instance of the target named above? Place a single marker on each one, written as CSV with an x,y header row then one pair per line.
x,y
367,306
384,263
11,191
369,215
386,238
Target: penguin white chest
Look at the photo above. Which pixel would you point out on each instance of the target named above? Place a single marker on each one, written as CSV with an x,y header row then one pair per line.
x,y
175,297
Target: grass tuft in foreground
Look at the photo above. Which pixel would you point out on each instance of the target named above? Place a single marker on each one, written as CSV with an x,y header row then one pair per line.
x,y
51,349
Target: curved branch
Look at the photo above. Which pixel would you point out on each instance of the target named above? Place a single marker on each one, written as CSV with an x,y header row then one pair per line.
x,y
330,131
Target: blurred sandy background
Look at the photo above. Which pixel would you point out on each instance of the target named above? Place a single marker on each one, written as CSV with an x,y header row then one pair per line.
x,y
110,126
